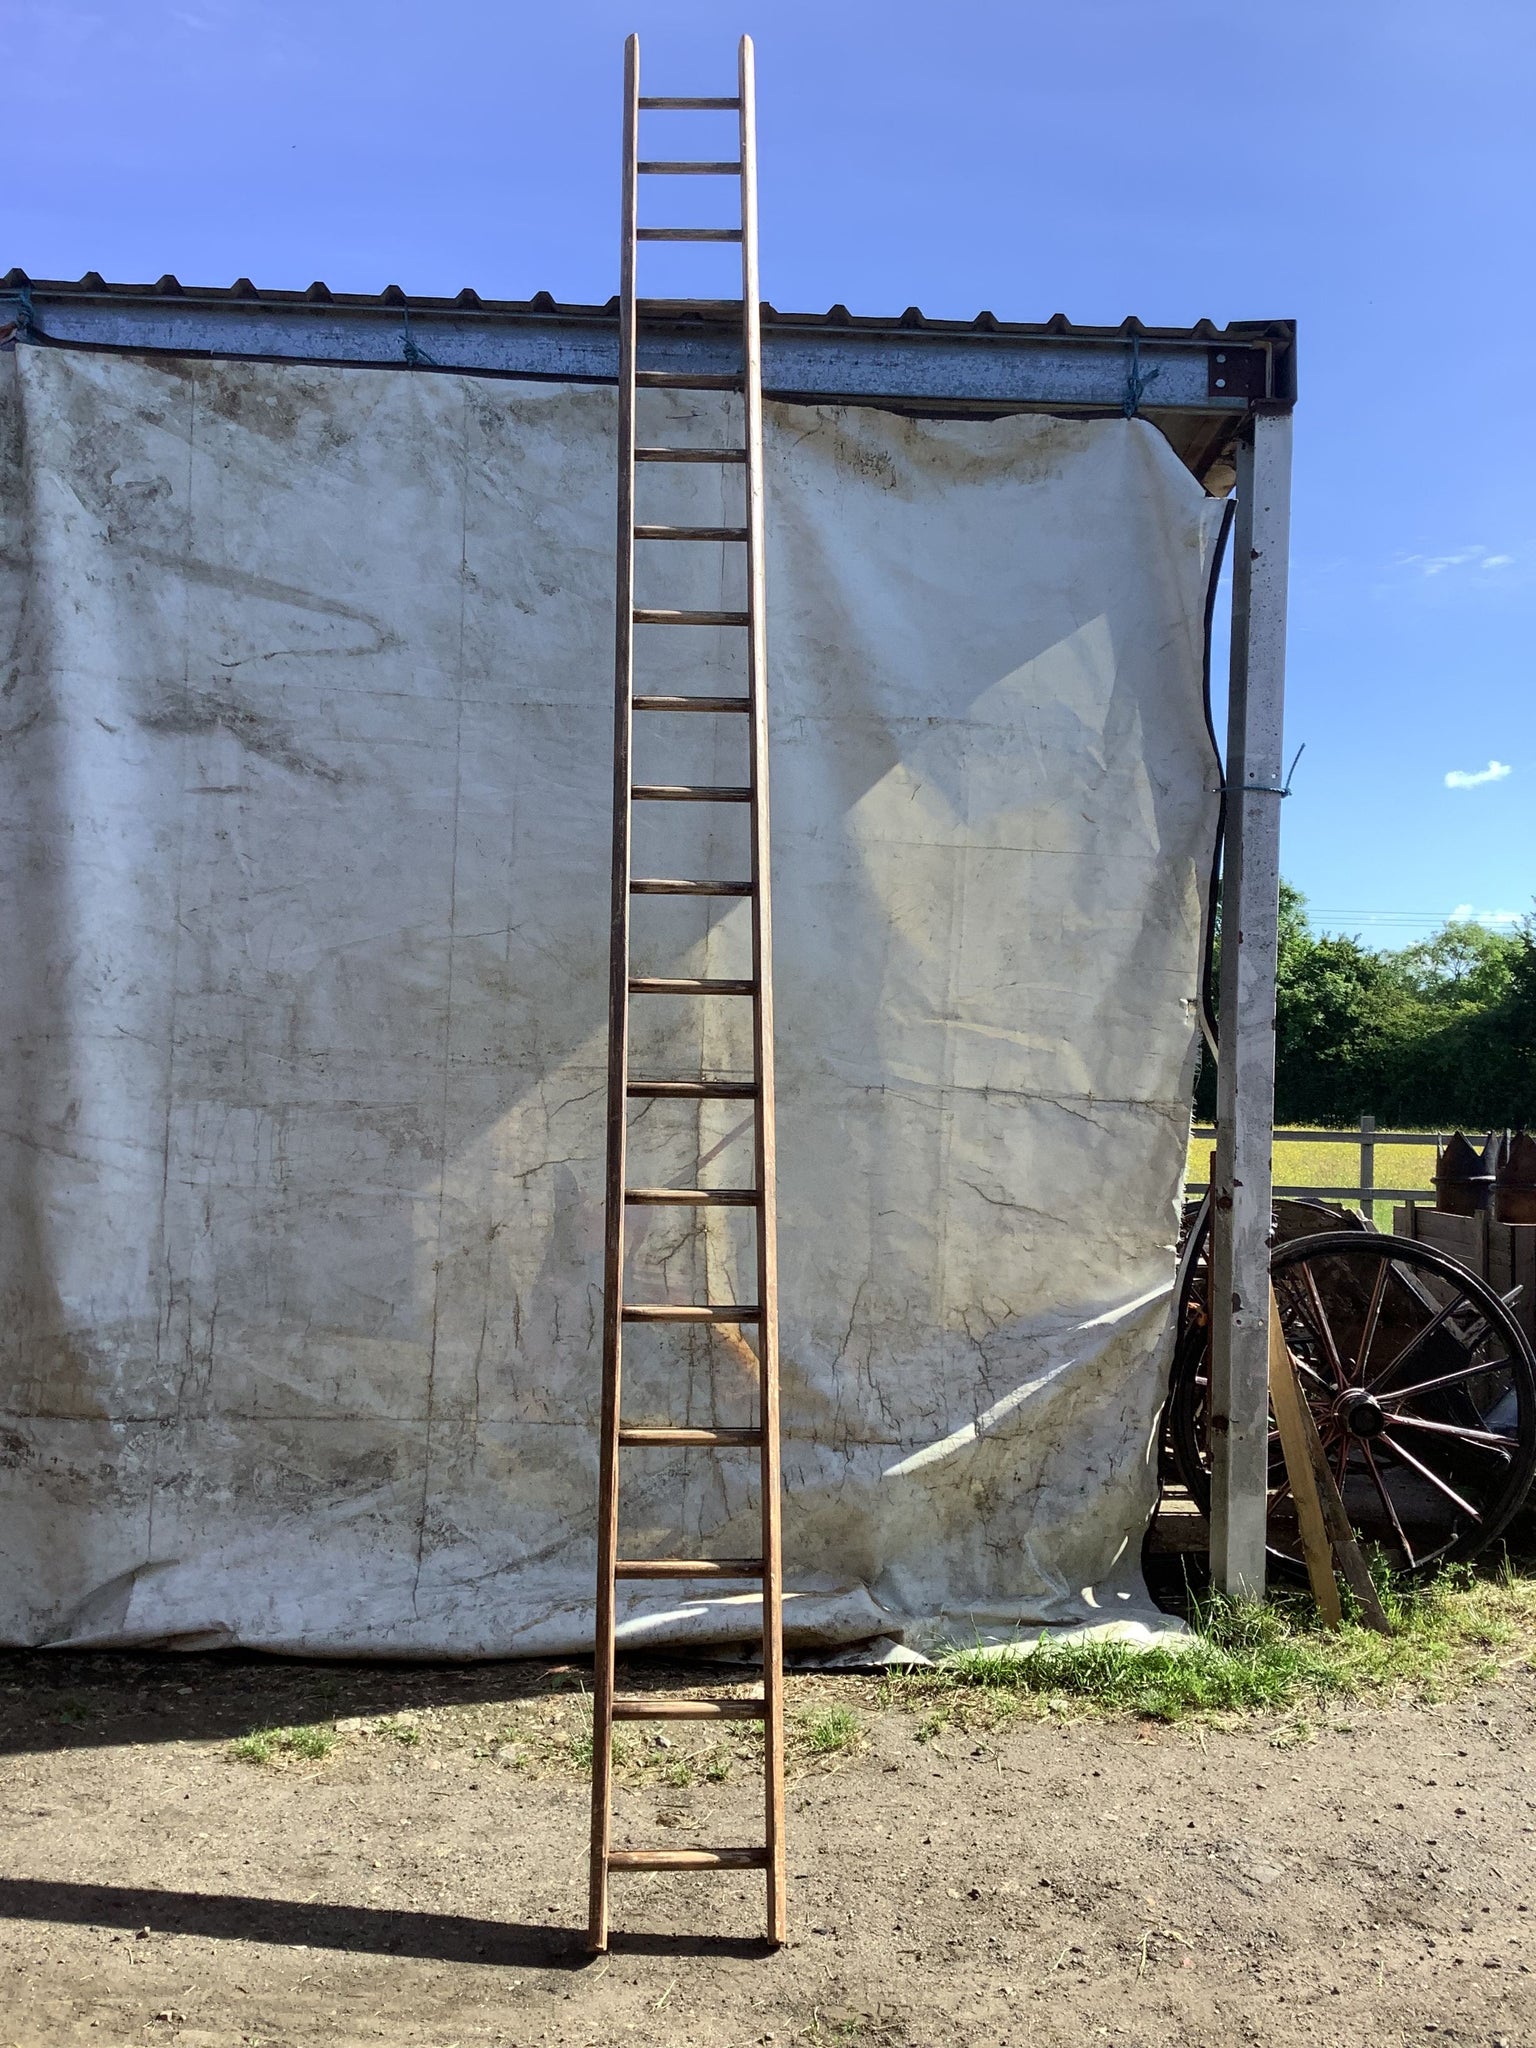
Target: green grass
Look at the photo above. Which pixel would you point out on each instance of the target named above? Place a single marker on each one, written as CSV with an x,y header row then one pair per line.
x,y
259,1747
578,1750
269,1745
831,1731
1269,1657
313,1742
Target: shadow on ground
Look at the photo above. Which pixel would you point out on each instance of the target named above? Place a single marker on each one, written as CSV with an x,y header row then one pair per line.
x,y
359,1930
56,1699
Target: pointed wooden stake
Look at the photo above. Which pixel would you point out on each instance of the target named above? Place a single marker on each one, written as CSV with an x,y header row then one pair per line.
x,y
1326,1533
1290,1408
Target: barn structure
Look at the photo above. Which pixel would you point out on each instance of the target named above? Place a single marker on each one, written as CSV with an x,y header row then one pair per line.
x,y
307,622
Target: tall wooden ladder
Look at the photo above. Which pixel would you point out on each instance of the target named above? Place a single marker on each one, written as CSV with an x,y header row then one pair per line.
x,y
624,1088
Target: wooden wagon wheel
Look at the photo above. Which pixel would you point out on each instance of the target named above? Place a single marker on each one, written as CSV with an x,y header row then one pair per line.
x,y
1422,1384
1182,1449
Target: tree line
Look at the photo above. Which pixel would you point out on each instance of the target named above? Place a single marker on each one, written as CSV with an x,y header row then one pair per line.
x,y
1438,1035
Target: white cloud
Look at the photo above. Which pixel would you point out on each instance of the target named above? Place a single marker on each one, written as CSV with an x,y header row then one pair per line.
x,y
1495,920
1468,778
1477,557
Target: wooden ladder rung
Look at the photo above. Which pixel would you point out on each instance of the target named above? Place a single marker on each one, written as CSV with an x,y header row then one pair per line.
x,y
689,1568
650,103
691,793
662,885
741,533
637,1437
674,106
695,1198
687,234
653,615
692,309
694,1091
689,1859
690,455
630,1707
689,168
689,985
691,1312
670,310
655,702
687,380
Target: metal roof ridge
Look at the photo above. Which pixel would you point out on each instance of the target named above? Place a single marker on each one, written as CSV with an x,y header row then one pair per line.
x,y
470,302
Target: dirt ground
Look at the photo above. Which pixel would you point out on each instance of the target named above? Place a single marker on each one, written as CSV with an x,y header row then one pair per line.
x,y
1367,1880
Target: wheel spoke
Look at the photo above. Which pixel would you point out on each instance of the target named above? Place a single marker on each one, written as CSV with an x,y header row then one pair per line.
x,y
1312,1373
1390,1505
1373,1311
1482,1439
1433,1477
1446,1379
1322,1325
1412,1345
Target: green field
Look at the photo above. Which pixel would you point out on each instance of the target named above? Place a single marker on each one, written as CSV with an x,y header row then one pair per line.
x,y
1336,1164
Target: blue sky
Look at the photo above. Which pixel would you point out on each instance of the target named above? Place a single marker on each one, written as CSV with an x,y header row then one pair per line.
x,y
1366,166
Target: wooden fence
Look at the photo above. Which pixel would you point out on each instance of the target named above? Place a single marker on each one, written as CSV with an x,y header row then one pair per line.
x,y
1367,1190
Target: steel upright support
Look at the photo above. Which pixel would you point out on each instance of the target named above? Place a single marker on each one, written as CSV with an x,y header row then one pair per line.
x,y
1245,1087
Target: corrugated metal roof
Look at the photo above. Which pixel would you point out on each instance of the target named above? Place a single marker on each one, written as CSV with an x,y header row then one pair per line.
x,y
1240,333
1197,383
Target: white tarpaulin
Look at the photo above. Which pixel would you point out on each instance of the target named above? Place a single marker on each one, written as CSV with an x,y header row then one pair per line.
x,y
306,752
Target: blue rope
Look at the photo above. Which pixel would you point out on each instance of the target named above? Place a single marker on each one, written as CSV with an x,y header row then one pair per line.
x,y
414,355
1135,382
26,318
1274,788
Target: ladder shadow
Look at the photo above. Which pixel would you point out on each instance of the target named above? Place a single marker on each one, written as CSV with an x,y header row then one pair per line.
x,y
747,1947
105,1699
292,1923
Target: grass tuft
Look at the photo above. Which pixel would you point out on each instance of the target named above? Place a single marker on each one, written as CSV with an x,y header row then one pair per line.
x,y
1249,1657
313,1742
273,1745
832,1731
259,1747
578,1750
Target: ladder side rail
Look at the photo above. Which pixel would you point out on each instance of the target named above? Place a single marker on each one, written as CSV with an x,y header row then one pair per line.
x,y
618,1040
762,1009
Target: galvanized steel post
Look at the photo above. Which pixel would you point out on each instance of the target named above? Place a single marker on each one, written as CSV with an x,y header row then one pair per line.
x,y
1245,1092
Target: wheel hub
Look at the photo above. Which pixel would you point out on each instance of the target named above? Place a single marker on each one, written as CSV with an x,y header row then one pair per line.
x,y
1359,1412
